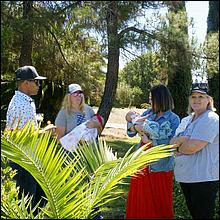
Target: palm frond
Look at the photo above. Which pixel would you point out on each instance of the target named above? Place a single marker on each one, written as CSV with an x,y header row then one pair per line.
x,y
20,209
74,188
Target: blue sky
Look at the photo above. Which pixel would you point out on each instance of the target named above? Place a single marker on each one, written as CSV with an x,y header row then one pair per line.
x,y
198,10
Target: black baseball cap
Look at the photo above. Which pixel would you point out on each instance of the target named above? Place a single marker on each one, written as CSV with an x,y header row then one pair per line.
x,y
199,89
27,73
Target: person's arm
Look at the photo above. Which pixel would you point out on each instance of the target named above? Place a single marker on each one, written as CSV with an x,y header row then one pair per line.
x,y
133,129
192,146
94,124
49,128
142,119
61,123
131,132
204,132
186,145
60,131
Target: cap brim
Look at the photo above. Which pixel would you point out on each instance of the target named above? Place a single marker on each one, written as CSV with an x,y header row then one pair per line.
x,y
40,77
198,91
75,91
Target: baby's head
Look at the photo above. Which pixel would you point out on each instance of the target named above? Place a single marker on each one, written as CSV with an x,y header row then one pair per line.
x,y
131,115
98,118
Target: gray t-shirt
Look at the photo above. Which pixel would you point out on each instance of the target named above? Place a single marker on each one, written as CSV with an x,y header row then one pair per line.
x,y
203,165
69,121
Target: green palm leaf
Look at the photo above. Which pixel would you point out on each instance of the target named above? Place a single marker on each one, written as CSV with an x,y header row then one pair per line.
x,y
74,188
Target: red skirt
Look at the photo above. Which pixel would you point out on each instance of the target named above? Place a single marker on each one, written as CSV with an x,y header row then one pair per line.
x,y
150,196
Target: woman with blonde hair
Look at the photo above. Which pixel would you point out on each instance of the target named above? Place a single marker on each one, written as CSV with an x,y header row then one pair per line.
x,y
197,160
74,112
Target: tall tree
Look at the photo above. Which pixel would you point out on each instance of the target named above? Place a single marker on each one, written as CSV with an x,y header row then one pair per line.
x,y
61,51
212,50
27,35
113,60
56,56
118,20
179,57
213,17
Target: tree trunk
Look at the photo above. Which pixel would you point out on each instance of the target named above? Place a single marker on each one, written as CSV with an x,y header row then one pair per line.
x,y
113,62
27,38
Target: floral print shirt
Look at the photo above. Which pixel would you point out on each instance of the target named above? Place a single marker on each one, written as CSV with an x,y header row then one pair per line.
x,y
21,107
165,126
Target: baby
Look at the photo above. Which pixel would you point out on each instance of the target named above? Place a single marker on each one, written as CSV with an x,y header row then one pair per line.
x,y
150,128
82,132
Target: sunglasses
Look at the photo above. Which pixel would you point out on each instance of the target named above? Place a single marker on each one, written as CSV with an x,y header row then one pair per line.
x,y
77,93
35,81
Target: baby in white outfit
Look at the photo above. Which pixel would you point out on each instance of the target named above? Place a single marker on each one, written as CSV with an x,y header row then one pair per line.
x,y
150,129
81,133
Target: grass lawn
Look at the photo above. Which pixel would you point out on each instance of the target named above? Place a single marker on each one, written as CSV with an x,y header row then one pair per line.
x,y
116,209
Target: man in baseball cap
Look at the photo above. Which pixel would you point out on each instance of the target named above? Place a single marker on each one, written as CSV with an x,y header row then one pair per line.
x,y
20,111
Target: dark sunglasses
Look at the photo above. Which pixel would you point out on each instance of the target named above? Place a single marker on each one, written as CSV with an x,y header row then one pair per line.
x,y
77,93
35,81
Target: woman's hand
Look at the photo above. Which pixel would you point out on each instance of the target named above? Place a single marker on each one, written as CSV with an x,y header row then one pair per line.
x,y
139,129
94,124
48,128
144,136
177,142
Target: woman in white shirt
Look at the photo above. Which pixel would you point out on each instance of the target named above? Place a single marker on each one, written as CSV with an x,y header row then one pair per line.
x,y
197,161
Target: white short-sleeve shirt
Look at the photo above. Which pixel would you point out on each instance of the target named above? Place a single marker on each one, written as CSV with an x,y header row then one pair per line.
x,y
21,106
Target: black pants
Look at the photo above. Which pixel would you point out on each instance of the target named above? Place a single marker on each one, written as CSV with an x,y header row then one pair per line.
x,y
200,198
28,184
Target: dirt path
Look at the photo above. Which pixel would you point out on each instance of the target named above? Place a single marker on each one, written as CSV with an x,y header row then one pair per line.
x,y
117,117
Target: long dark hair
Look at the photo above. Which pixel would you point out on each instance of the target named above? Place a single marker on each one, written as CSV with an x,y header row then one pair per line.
x,y
161,99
